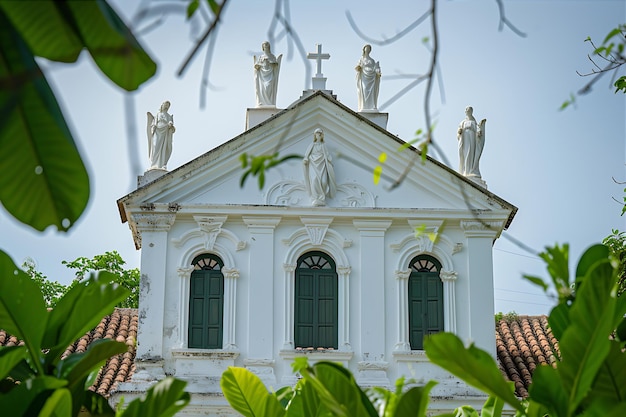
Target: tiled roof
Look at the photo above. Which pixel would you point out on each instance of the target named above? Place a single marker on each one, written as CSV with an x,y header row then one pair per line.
x,y
121,325
523,343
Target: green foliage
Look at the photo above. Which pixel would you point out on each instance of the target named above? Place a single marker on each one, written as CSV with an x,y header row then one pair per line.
x,y
616,242
590,378
44,181
259,165
328,389
109,261
509,317
53,385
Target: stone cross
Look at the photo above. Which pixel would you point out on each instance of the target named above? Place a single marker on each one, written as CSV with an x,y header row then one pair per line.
x,y
318,56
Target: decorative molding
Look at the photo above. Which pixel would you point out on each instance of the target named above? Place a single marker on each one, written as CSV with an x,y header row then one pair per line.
x,y
185,273
261,224
458,247
316,228
330,235
373,365
344,270
289,267
211,227
404,275
448,275
208,232
479,228
293,193
153,222
232,273
317,355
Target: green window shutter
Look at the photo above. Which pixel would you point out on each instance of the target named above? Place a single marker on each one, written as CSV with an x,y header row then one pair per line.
x,y
425,300
206,303
315,302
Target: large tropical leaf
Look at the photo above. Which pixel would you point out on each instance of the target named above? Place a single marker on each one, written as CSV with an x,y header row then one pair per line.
x,y
59,404
80,310
473,365
45,29
43,181
414,402
585,343
246,394
164,399
111,44
27,398
610,383
59,30
22,309
547,390
9,358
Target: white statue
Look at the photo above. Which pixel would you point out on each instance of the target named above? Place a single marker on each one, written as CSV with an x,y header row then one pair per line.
x,y
471,137
160,132
367,81
319,175
266,69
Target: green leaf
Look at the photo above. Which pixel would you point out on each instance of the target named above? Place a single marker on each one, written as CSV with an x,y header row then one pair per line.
x,y
9,358
164,399
22,310
97,405
76,367
339,392
192,7
474,366
45,29
591,257
537,281
111,44
43,181
559,320
377,173
546,389
414,402
246,394
59,404
80,310
610,382
492,407
27,398
215,8
585,343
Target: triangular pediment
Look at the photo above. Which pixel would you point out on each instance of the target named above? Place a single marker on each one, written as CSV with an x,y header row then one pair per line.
x,y
355,144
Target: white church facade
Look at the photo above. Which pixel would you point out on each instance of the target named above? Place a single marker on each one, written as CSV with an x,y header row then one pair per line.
x,y
355,273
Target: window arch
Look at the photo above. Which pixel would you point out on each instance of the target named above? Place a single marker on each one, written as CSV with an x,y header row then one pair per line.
x,y
315,301
206,303
425,299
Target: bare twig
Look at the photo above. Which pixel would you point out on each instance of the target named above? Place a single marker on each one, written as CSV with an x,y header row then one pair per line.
x,y
506,22
203,38
399,35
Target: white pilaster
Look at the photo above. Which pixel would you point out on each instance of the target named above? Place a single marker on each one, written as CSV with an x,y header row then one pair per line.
x,y
261,292
480,292
402,278
153,228
372,269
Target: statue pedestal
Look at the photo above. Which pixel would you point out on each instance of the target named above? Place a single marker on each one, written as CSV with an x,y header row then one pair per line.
x,y
149,176
257,115
376,117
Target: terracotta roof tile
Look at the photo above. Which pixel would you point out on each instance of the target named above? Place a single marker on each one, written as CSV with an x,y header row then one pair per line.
x,y
523,344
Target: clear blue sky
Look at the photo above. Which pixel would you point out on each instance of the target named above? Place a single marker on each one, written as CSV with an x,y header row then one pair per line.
x,y
557,167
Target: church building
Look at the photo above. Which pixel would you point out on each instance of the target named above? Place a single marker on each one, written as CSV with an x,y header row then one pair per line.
x,y
321,261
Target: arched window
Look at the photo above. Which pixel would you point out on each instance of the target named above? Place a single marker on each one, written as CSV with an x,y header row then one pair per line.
x,y
206,303
425,299
315,302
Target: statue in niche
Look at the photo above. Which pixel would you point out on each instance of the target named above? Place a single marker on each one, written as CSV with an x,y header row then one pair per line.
x,y
367,81
266,69
160,132
471,138
319,175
